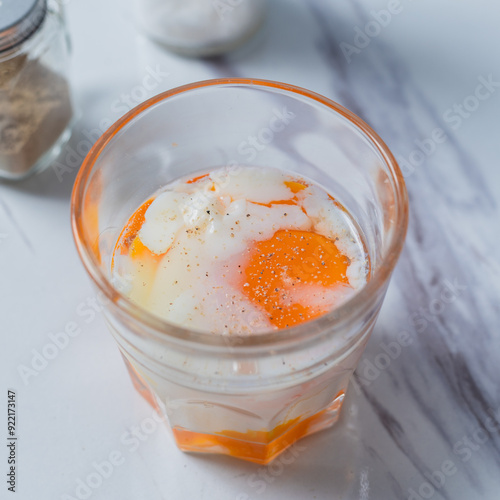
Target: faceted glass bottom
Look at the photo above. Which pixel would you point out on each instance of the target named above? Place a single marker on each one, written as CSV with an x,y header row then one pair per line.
x,y
260,446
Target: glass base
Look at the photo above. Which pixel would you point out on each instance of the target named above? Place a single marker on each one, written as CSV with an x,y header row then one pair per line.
x,y
260,446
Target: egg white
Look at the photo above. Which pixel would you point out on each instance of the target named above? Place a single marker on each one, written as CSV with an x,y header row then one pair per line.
x,y
203,229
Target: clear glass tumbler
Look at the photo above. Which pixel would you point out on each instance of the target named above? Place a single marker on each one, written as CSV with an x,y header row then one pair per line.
x,y
246,396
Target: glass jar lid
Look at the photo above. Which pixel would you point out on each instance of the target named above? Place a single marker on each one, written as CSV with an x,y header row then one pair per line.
x,y
19,19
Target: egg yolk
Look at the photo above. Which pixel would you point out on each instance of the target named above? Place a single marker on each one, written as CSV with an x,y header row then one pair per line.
x,y
129,242
133,226
288,260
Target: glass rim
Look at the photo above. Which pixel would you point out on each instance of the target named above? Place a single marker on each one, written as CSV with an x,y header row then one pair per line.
x,y
164,330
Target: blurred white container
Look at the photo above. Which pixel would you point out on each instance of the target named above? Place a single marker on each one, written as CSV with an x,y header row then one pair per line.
x,y
201,27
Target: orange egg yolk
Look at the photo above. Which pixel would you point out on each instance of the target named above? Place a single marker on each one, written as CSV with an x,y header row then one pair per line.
x,y
291,259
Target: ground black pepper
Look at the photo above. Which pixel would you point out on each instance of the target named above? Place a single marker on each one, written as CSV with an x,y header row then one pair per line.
x,y
35,109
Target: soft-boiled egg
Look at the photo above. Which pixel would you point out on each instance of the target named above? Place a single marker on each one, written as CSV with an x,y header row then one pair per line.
x,y
240,250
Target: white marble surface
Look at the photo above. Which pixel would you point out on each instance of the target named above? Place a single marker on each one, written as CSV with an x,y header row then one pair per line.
x,y
429,410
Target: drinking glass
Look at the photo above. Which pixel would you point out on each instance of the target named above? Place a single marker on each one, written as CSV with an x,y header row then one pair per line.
x,y
249,396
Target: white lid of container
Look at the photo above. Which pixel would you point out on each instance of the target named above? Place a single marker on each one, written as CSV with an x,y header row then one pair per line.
x,y
19,19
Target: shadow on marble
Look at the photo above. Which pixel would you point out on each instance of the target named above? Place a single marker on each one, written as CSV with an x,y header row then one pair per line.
x,y
328,464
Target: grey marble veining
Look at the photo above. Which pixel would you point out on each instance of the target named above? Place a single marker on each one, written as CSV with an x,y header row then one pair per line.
x,y
451,379
448,376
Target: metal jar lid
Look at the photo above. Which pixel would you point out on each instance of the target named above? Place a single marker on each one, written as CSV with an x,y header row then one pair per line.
x,y
19,19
